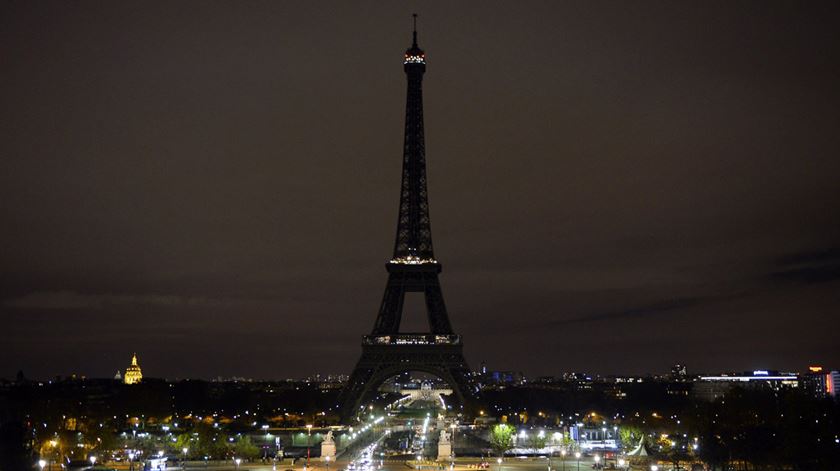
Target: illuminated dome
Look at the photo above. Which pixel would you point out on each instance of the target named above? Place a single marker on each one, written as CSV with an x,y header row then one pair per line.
x,y
133,374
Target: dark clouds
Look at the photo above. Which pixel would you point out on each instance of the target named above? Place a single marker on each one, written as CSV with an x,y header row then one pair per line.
x,y
613,187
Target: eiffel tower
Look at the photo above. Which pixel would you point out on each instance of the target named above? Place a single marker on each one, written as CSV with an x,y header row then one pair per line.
x,y
387,352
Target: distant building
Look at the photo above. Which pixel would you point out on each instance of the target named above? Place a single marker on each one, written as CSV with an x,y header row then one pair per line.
x,y
133,374
678,372
820,383
118,376
832,380
710,388
505,378
594,438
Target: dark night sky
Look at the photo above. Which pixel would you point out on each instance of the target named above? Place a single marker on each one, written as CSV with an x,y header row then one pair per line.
x,y
614,186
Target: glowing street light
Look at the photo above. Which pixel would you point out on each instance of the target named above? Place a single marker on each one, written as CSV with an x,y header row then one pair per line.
x,y
454,426
577,456
185,450
499,462
42,463
237,461
130,461
653,467
308,442
93,461
563,454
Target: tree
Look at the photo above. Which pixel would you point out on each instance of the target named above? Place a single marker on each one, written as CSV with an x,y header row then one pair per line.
x,y
14,453
713,451
184,440
569,444
501,438
209,442
537,441
245,448
629,436
104,440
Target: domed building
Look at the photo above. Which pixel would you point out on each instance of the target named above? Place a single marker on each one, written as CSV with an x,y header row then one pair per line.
x,y
133,374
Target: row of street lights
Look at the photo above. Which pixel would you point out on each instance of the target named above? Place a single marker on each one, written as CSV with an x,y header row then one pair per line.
x,y
621,462
43,463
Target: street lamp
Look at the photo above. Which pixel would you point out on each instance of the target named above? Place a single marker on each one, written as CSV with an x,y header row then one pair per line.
x,y
577,456
308,442
453,427
597,459
563,454
653,467
499,461
328,462
42,463
185,450
621,463
237,461
92,461
130,461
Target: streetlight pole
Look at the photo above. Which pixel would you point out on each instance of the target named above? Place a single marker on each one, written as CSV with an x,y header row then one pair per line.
x,y
185,450
454,428
604,440
308,442
563,454
577,456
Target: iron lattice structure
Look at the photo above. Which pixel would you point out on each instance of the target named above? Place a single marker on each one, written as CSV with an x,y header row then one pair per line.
x,y
413,268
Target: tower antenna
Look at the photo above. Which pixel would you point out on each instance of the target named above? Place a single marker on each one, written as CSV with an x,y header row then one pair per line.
x,y
414,43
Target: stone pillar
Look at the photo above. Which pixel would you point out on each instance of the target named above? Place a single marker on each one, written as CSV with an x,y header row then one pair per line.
x,y
444,446
328,447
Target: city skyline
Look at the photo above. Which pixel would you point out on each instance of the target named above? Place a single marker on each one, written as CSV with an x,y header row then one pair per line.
x,y
215,189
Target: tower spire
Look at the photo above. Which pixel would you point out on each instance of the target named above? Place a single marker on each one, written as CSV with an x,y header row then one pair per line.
x,y
414,35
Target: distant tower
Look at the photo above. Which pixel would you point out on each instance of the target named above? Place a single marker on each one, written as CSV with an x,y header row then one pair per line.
x,y
118,376
387,352
133,374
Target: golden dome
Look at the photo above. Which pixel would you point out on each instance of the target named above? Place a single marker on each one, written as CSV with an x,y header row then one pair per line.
x,y
133,374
